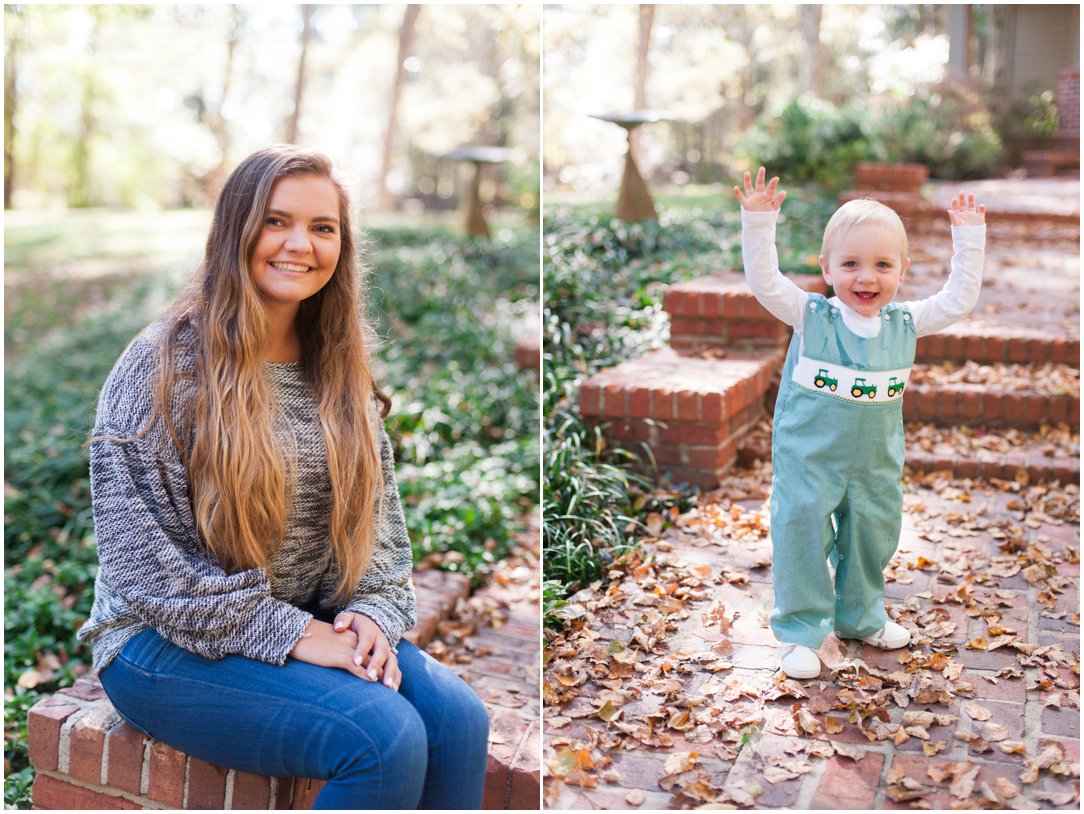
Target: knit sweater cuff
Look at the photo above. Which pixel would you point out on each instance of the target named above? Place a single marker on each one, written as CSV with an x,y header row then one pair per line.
x,y
385,615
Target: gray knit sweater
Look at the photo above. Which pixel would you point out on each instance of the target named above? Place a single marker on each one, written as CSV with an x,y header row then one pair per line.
x,y
156,573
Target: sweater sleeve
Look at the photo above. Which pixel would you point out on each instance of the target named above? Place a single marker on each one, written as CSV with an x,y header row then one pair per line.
x,y
961,291
385,592
150,555
152,562
782,298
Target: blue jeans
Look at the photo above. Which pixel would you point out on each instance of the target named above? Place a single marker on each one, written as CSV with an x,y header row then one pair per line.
x,y
422,747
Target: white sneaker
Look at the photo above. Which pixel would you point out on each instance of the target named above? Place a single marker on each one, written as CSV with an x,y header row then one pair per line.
x,y
799,661
890,637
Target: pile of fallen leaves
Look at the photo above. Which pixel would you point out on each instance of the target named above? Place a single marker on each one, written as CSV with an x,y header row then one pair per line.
x,y
620,678
1047,380
1056,441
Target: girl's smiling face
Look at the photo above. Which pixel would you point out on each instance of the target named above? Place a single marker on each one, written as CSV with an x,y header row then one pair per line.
x,y
298,248
865,266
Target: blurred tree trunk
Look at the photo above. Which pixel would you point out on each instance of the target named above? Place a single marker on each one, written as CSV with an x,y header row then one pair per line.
x,y
643,70
10,99
809,70
385,202
79,191
215,121
307,12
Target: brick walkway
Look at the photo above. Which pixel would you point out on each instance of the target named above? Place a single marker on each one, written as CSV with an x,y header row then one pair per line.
x,y
677,668
663,691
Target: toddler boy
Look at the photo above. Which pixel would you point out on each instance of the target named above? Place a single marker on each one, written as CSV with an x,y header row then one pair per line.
x,y
837,440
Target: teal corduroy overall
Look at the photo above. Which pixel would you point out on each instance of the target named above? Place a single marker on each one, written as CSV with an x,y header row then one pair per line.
x,y
837,462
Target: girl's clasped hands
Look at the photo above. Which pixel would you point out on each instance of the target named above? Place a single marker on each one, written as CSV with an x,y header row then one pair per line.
x,y
355,644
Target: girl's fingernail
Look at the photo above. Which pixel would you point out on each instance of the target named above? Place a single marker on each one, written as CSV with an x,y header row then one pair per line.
x,y
357,660
372,675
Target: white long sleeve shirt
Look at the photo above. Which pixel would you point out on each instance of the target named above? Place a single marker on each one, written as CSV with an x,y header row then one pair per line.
x,y
787,302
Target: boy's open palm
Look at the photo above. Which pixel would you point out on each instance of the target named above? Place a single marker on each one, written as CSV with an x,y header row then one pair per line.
x,y
965,213
758,197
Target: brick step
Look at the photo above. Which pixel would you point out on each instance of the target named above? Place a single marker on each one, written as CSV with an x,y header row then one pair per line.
x,y
967,453
690,410
719,310
995,395
963,342
86,757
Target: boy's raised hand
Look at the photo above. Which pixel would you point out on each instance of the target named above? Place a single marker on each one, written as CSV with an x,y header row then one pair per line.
x,y
965,213
759,198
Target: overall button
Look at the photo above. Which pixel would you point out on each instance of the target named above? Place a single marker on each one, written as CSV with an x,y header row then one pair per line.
x,y
812,306
835,312
887,317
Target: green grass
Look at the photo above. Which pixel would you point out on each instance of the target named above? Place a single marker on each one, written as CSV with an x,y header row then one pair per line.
x,y
79,287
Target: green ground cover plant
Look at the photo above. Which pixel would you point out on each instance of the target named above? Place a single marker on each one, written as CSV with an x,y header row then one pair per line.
x,y
604,282
464,419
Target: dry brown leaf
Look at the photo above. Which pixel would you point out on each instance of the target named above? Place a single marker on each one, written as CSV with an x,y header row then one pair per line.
x,y
964,782
994,733
977,712
777,774
849,751
681,762
1005,789
635,797
931,749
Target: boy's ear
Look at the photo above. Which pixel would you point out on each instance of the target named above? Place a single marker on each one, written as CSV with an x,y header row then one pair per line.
x,y
906,265
824,269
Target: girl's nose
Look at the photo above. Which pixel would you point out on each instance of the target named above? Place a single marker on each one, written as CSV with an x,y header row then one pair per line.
x,y
297,240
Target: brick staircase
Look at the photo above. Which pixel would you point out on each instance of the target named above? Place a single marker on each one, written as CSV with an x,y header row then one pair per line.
x,y
701,404
86,757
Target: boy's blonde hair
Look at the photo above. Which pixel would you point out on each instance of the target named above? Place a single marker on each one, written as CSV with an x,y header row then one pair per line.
x,y
861,213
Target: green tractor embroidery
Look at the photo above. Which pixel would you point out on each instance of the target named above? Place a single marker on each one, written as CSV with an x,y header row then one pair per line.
x,y
822,380
895,386
860,388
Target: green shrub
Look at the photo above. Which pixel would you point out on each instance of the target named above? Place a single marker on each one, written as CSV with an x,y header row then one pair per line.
x,y
949,129
813,141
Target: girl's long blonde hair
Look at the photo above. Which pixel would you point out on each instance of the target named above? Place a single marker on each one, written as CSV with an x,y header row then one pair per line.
x,y
237,470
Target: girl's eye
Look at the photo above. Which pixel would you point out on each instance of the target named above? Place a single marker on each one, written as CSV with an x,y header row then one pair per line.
x,y
274,220
330,230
